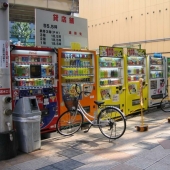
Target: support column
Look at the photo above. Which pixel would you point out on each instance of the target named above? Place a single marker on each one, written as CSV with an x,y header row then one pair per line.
x,y
8,144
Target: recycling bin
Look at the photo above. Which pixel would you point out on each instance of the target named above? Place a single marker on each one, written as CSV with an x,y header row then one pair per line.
x,y
26,118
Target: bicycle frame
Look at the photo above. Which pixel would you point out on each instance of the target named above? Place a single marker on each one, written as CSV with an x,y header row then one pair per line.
x,y
85,114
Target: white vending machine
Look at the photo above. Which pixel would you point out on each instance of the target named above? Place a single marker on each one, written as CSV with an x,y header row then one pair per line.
x,y
157,79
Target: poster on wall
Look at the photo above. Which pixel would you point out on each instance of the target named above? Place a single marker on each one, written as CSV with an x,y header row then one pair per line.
x,y
105,94
70,91
59,30
132,88
4,54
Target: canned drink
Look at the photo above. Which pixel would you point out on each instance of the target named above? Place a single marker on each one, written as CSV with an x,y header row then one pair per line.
x,y
52,81
65,72
27,82
17,59
30,82
76,61
44,82
40,82
80,63
48,82
20,59
20,82
37,82
24,83
76,72
70,72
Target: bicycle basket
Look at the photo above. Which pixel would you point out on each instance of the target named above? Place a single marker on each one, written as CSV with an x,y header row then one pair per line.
x,y
71,103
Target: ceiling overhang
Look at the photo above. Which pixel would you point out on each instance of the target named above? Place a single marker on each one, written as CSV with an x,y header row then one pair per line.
x,y
26,13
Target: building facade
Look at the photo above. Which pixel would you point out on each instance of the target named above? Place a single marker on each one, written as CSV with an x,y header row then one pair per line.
x,y
128,23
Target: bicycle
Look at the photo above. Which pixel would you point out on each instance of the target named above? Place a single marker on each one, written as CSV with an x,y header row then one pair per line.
x,y
165,102
110,120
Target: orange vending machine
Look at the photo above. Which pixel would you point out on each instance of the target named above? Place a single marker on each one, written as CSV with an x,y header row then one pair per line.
x,y
77,67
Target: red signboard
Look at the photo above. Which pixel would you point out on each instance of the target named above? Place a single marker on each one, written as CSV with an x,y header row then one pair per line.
x,y
4,91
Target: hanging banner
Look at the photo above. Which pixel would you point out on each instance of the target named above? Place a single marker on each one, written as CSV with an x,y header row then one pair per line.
x,y
59,30
4,54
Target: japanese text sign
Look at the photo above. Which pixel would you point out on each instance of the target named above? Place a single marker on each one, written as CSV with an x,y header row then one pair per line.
x,y
59,30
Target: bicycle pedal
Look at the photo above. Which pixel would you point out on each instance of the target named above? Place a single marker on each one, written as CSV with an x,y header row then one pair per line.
x,y
85,131
85,127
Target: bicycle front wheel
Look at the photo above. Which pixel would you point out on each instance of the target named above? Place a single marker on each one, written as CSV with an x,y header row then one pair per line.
x,y
165,104
112,122
69,122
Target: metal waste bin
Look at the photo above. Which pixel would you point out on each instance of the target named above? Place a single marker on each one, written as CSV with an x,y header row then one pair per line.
x,y
26,118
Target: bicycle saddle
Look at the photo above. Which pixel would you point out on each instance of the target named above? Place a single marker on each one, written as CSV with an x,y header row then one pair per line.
x,y
99,103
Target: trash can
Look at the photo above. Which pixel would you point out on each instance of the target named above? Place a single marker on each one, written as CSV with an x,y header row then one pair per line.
x,y
26,118
8,145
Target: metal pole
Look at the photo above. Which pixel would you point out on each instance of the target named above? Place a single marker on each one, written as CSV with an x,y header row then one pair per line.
x,y
5,80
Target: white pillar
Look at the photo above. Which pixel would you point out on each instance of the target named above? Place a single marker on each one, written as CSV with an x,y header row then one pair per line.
x,y
5,79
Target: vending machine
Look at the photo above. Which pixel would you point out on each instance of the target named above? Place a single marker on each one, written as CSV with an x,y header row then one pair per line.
x,y
77,67
34,73
110,76
135,68
156,79
167,68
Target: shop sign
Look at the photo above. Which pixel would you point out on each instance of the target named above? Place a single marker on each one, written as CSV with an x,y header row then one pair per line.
x,y
59,30
4,91
4,54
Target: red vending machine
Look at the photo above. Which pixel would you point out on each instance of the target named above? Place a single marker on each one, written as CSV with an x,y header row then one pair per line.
x,y
34,73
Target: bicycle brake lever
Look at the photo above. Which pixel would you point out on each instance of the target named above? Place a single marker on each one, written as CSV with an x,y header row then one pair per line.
x,y
76,89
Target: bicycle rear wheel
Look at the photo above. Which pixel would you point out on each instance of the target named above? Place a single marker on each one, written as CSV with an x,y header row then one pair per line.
x,y
112,122
69,122
165,104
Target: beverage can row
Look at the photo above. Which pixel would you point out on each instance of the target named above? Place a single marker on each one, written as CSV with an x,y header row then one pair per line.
x,y
109,82
77,71
47,59
77,80
76,62
34,82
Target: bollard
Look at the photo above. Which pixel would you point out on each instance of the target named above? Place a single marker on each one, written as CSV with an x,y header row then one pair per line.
x,y
142,127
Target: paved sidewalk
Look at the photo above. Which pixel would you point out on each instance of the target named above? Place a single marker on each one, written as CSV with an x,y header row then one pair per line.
x,y
134,151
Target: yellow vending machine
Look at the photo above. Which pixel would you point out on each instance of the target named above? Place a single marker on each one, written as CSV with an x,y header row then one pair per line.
x,y
110,76
135,68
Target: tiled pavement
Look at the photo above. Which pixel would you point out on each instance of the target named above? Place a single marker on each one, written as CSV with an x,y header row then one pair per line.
x,y
134,151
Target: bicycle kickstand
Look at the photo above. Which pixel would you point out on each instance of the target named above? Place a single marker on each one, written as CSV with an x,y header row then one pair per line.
x,y
110,135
